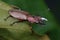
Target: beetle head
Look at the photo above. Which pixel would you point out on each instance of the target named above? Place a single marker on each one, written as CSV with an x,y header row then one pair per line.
x,y
37,19
40,20
43,21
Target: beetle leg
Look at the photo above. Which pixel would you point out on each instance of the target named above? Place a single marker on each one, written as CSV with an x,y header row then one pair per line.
x,y
32,32
7,17
31,29
15,7
14,23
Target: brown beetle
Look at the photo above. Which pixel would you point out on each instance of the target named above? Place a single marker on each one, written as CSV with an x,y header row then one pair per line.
x,y
21,15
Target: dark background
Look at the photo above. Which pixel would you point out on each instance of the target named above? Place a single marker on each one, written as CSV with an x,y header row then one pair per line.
x,y
54,6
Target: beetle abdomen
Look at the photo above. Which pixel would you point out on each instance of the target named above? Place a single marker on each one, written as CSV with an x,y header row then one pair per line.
x,y
18,15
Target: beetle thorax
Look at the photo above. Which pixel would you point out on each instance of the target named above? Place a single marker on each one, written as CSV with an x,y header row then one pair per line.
x,y
32,20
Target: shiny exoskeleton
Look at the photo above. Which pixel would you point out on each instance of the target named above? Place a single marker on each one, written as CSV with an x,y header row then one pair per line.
x,y
25,16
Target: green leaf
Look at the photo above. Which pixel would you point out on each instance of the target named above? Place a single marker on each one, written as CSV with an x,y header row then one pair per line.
x,y
35,7
19,31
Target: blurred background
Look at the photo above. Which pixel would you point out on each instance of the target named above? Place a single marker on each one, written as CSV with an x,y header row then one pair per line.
x,y
54,6
21,31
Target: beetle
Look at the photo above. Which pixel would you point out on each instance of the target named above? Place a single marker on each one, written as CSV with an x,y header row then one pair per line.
x,y
21,15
